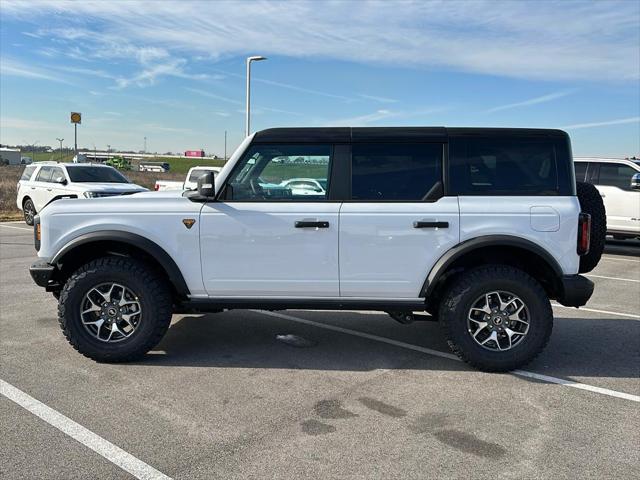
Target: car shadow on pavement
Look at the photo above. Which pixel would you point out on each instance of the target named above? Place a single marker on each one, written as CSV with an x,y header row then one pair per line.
x,y
244,339
602,347
628,248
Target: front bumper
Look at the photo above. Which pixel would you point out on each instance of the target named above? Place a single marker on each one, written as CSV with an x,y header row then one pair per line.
x,y
42,273
575,290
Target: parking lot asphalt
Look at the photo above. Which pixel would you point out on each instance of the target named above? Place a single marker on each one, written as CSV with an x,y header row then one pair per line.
x,y
362,397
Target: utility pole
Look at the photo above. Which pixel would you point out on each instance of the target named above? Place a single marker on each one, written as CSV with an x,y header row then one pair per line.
x,y
247,129
60,140
225,145
145,144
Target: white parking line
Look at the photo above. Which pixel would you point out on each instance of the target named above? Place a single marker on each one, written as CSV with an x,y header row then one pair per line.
x,y
437,353
17,228
613,278
108,450
626,259
594,310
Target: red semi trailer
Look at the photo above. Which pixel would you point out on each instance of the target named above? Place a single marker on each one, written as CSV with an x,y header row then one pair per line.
x,y
194,153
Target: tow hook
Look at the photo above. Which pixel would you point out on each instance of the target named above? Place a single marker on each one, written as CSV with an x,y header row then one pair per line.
x,y
403,317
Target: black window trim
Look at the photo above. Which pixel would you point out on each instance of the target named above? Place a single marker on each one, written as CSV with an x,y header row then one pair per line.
x,y
461,140
443,164
221,195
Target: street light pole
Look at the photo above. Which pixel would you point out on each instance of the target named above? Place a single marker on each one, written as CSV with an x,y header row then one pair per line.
x,y
247,129
33,150
145,144
225,145
60,140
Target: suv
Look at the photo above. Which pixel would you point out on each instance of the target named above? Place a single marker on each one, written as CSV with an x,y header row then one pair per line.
x,y
618,181
43,182
478,227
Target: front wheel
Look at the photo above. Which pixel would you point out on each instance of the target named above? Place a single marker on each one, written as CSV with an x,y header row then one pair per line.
x,y
114,309
496,318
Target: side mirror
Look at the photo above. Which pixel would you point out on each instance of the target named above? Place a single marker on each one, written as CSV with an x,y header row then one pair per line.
x,y
60,181
635,181
206,185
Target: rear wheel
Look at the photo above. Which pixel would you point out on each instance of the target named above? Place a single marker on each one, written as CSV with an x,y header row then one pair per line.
x,y
496,318
29,211
114,309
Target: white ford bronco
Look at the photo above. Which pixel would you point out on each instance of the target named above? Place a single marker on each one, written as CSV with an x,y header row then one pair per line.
x,y
478,227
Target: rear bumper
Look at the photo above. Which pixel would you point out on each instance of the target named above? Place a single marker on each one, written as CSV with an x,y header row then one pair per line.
x,y
42,273
576,290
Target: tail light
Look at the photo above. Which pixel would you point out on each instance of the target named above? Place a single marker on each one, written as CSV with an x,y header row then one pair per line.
x,y
156,187
37,232
584,233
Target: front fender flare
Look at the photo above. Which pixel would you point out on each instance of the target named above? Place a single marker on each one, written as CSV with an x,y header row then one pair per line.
x,y
138,241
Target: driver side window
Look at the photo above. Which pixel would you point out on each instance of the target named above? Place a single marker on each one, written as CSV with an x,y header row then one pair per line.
x,y
281,173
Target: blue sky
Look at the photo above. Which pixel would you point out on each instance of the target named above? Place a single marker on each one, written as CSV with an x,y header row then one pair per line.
x,y
174,71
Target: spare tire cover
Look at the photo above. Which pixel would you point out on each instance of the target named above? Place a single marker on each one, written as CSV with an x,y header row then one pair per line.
x,y
591,203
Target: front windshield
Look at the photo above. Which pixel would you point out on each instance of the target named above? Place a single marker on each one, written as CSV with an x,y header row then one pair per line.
x,y
84,174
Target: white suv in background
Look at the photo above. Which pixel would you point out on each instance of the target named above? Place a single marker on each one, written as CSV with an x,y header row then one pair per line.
x,y
43,182
618,181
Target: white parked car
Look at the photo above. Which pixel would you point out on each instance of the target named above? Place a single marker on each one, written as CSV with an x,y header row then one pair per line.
x,y
43,182
305,186
478,227
618,181
190,182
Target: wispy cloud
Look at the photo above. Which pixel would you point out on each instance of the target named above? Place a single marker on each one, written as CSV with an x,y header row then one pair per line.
x,y
363,120
16,68
214,96
256,109
619,121
289,86
592,41
532,101
25,124
378,99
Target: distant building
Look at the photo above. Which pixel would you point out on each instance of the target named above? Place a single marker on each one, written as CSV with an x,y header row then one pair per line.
x,y
10,156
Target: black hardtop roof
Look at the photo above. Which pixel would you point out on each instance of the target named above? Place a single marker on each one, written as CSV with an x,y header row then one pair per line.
x,y
390,134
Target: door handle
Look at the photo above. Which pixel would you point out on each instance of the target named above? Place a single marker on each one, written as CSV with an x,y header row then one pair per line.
x,y
33,188
48,189
422,224
311,224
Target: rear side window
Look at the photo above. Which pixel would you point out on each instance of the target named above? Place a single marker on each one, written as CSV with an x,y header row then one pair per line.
x,y
616,175
44,175
506,166
27,172
57,175
395,171
581,171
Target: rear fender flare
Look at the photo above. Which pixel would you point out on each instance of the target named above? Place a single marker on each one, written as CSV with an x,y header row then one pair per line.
x,y
468,246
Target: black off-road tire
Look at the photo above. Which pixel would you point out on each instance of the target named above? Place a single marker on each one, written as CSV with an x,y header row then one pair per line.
x,y
591,203
467,288
29,211
153,294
